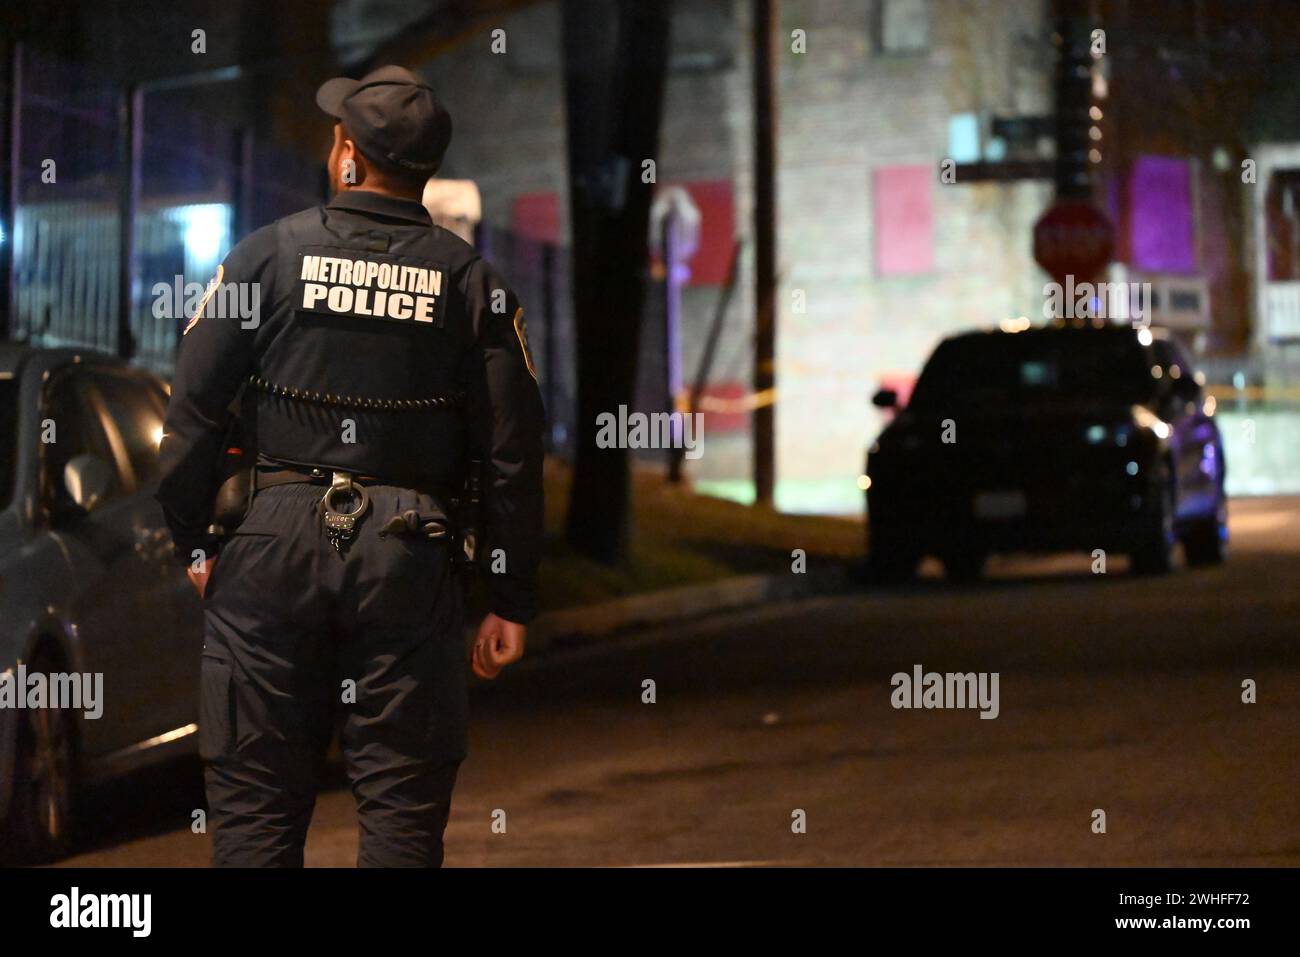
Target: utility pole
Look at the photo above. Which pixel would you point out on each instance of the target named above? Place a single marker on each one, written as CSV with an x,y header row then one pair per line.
x,y
1073,239
1073,100
764,27
615,64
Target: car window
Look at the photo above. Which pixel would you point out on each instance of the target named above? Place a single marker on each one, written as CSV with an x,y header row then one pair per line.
x,y
134,410
1026,368
70,427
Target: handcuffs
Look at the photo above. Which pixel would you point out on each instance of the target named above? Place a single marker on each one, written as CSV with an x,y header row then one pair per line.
x,y
341,521
341,525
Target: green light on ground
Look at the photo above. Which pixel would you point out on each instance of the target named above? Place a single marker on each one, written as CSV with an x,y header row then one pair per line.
x,y
799,496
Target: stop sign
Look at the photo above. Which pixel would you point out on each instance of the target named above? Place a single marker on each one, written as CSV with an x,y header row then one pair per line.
x,y
1073,238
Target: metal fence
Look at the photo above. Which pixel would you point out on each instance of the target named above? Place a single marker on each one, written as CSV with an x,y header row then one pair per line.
x,y
540,275
86,158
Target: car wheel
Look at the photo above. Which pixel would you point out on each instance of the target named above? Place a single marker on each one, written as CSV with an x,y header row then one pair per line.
x,y
966,565
1154,554
1205,542
38,827
889,560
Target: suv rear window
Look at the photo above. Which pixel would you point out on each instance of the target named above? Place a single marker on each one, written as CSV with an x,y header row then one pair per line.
x,y
1016,369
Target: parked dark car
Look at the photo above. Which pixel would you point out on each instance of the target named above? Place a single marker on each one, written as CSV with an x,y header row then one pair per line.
x,y
1049,439
87,585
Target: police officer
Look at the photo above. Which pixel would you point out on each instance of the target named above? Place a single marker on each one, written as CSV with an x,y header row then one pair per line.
x,y
385,356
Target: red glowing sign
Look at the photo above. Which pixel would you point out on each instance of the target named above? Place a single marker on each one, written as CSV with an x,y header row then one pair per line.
x,y
1073,238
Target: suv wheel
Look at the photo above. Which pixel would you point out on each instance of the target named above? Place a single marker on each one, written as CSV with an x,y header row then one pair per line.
x,y
38,826
890,561
1154,554
1205,541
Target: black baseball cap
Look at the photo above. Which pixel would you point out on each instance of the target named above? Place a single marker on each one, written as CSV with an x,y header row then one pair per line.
x,y
392,115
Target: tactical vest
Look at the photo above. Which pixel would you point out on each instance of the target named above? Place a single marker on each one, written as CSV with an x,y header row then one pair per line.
x,y
368,369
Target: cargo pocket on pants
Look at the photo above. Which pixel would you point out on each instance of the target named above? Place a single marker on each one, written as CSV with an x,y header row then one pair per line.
x,y
216,708
449,683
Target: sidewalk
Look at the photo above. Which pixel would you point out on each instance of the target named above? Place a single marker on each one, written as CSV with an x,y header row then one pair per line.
x,y
681,604
691,555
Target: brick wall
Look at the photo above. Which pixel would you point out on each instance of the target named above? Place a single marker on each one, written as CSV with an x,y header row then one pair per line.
x,y
845,111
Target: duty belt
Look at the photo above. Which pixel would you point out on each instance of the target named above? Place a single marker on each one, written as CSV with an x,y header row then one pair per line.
x,y
346,501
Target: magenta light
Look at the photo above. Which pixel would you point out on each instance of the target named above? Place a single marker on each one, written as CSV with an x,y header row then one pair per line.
x,y
1162,235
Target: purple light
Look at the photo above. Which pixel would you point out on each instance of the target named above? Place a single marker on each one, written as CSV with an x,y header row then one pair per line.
x,y
1160,199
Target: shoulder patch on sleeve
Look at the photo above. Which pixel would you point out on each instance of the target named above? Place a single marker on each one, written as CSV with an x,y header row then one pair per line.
x,y
522,332
198,313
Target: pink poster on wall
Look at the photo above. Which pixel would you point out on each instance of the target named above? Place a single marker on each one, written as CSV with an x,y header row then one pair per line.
x,y
904,220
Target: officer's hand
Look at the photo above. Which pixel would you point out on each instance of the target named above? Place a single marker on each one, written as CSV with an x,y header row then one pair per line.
x,y
498,644
200,579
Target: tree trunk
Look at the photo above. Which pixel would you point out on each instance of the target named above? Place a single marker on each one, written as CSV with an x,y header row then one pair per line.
x,y
615,59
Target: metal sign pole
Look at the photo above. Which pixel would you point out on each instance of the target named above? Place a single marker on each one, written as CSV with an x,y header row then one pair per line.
x,y
130,134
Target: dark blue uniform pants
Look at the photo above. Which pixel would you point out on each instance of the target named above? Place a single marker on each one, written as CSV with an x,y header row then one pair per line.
x,y
295,630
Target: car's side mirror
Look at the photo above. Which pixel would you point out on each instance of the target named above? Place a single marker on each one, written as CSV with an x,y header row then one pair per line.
x,y
88,480
885,399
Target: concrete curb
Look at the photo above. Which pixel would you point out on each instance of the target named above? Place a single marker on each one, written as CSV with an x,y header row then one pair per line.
x,y
590,622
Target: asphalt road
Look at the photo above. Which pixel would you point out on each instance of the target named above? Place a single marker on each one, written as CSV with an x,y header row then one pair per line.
x,y
1114,693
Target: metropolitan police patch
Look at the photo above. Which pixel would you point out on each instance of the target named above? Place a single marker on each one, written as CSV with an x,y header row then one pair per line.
x,y
338,282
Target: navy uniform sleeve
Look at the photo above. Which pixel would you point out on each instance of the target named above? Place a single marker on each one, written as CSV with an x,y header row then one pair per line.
x,y
216,356
506,422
